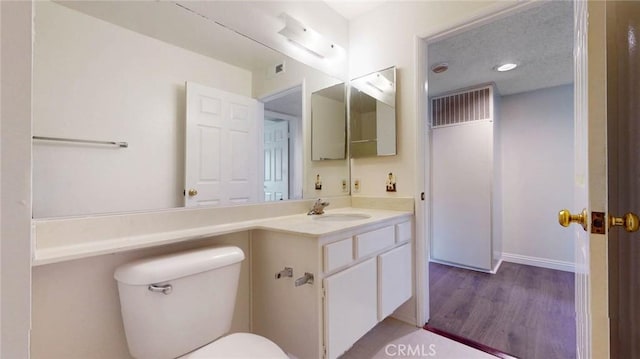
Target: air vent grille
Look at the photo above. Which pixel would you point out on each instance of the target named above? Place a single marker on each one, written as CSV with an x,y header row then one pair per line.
x,y
462,107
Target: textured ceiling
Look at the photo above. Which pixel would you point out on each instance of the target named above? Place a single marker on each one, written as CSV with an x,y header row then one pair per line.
x,y
539,39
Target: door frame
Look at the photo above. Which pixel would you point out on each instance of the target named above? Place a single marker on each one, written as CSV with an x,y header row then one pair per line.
x,y
591,101
423,144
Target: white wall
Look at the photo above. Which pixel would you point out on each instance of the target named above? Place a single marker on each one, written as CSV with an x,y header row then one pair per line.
x,y
328,127
95,80
15,178
386,37
536,130
1,338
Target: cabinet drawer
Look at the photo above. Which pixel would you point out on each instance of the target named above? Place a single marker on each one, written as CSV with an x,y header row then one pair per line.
x,y
374,241
403,232
394,279
338,254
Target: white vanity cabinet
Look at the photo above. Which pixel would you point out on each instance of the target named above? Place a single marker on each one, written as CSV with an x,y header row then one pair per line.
x,y
361,276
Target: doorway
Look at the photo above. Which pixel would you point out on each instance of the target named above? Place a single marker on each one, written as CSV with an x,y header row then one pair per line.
x,y
283,145
532,124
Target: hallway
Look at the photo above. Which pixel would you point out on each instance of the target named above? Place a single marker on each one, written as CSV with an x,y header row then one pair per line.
x,y
522,310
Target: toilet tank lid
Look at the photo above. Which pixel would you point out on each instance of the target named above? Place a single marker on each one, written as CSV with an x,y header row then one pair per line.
x,y
177,265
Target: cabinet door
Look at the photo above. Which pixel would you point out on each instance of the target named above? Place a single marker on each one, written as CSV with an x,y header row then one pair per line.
x,y
394,279
350,306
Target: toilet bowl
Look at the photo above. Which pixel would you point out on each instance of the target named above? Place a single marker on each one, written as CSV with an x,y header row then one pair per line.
x,y
181,306
239,345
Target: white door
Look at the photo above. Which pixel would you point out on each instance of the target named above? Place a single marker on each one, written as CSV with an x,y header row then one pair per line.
x,y
276,160
590,185
222,165
581,195
598,95
461,180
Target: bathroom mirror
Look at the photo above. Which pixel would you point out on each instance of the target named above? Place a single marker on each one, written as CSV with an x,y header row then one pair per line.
x,y
372,103
329,123
117,71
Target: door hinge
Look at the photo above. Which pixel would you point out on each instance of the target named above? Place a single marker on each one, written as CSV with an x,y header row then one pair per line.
x,y
324,292
324,351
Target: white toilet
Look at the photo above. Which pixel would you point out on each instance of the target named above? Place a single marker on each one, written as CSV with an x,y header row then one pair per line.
x,y
177,305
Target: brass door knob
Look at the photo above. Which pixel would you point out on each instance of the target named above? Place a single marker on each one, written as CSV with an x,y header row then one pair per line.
x,y
565,218
629,222
193,192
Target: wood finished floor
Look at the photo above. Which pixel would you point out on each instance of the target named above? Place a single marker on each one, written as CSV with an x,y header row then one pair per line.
x,y
525,311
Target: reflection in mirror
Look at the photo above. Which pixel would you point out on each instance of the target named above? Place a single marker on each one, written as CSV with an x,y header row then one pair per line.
x,y
372,103
282,145
329,123
116,71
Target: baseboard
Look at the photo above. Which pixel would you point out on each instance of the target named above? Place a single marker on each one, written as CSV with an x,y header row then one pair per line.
x,y
405,318
539,262
452,264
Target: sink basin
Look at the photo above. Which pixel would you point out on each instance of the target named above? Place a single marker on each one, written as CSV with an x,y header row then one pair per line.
x,y
341,217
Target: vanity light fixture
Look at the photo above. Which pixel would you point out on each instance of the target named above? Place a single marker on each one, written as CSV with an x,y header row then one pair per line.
x,y
307,38
505,67
380,82
375,87
378,86
376,81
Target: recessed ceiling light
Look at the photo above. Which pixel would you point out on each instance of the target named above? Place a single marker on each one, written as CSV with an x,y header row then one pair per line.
x,y
505,67
441,67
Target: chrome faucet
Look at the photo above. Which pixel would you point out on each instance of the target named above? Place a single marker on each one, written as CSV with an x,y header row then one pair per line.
x,y
307,278
318,207
286,272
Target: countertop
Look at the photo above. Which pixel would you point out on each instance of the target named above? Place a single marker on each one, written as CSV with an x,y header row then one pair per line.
x,y
299,224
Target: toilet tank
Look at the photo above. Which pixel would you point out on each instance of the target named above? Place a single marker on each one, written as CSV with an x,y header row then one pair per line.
x,y
176,303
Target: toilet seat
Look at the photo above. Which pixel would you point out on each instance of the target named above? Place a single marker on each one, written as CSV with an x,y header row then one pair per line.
x,y
239,345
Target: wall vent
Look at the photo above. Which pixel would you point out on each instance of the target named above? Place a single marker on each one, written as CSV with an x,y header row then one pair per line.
x,y
462,107
276,69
